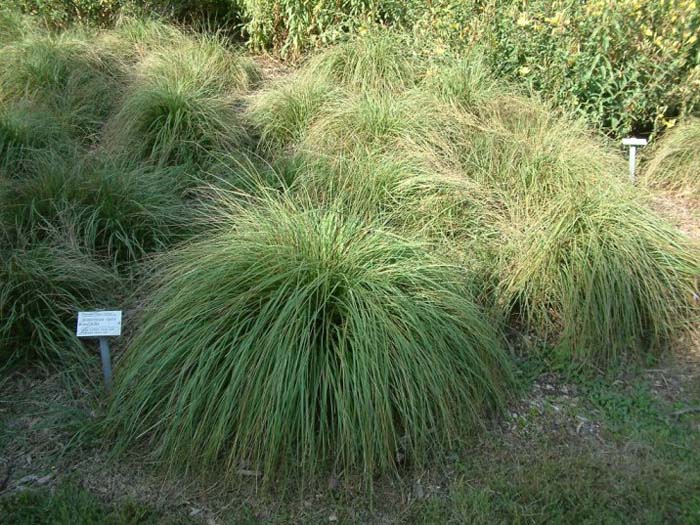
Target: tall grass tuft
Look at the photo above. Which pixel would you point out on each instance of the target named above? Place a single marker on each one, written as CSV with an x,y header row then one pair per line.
x,y
42,287
183,103
675,161
64,73
490,177
300,337
118,211
13,26
598,275
26,132
283,112
382,61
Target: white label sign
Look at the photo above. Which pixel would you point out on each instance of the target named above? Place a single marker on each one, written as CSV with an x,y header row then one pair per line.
x,y
99,324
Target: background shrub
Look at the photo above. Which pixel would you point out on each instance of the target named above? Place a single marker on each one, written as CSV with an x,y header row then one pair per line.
x,y
629,66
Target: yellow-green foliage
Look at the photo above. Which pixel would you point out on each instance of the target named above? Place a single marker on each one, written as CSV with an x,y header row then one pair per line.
x,y
674,162
627,66
182,103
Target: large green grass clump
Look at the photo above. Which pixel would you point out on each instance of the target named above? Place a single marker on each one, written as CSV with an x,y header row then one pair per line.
x,y
598,275
42,287
304,337
182,104
25,133
675,161
65,73
118,211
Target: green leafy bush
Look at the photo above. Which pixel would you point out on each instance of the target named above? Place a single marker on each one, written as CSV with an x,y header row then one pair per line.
x,y
61,14
299,337
629,66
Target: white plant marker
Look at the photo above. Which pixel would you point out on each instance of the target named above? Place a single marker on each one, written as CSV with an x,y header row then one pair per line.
x,y
101,325
633,144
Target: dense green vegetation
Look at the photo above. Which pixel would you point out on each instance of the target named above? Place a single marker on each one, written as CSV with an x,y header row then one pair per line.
x,y
631,66
70,504
329,269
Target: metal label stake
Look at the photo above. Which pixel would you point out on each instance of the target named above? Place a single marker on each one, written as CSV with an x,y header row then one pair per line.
x,y
633,143
101,325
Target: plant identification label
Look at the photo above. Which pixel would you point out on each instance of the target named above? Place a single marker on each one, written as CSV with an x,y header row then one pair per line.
x,y
99,324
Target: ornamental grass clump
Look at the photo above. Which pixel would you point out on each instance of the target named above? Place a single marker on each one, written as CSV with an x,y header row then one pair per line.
x,y
598,275
381,61
42,287
13,26
118,211
675,161
64,73
183,103
26,132
296,337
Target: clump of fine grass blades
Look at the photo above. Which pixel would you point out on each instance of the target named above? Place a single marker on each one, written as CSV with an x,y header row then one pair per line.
x,y
65,73
118,211
42,287
511,164
300,337
26,131
675,161
183,103
600,276
13,25
380,61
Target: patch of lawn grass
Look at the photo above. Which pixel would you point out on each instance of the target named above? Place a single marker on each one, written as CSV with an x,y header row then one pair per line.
x,y
71,504
646,470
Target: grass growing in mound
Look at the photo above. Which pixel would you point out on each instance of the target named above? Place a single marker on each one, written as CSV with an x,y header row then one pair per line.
x,y
381,61
13,26
66,74
283,112
120,211
490,174
42,287
301,337
675,161
183,103
599,275
24,132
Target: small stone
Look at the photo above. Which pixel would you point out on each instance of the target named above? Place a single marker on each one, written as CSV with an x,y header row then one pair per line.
x,y
333,517
419,491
